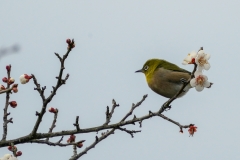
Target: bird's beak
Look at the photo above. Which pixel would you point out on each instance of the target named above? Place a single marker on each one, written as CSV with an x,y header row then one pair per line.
x,y
139,71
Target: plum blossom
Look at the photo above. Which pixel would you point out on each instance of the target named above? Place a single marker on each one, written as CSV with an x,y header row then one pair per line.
x,y
192,129
8,157
24,78
190,59
202,60
200,81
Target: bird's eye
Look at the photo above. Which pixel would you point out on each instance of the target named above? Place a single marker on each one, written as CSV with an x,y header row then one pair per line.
x,y
146,68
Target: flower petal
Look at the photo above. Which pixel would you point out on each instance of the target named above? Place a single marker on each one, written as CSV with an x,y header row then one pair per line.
x,y
207,56
199,88
207,66
201,52
206,84
205,77
193,82
197,73
185,62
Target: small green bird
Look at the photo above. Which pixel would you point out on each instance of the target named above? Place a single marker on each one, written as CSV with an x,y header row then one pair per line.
x,y
165,78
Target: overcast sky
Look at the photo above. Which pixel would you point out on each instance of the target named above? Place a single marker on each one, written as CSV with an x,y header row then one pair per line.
x,y
114,39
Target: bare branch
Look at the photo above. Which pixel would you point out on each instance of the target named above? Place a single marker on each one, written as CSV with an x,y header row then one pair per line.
x,y
92,145
5,114
53,123
109,115
54,144
60,81
128,131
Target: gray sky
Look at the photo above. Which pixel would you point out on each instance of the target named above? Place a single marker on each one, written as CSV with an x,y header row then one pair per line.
x,y
114,39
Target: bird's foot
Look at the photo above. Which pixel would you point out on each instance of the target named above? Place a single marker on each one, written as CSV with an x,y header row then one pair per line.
x,y
183,80
166,107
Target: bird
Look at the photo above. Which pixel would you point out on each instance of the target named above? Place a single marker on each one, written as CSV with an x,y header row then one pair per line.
x,y
165,78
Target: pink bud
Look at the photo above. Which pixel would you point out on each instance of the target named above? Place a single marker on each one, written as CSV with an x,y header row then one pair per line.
x,y
19,153
15,89
71,138
13,104
8,67
79,145
10,148
11,81
53,110
4,79
68,41
2,87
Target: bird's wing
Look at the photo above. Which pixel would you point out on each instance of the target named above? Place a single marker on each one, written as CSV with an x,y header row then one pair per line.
x,y
177,77
170,66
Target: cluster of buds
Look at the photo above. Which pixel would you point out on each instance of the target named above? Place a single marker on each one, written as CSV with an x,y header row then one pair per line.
x,y
53,110
201,60
71,138
70,43
24,78
14,149
13,104
192,129
8,81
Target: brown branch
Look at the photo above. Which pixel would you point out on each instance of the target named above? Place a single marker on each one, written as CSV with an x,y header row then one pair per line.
x,y
53,123
60,82
97,140
109,115
25,139
133,107
6,90
5,114
128,131
54,143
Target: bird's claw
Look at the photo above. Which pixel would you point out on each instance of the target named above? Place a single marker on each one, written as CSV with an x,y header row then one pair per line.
x,y
166,108
183,80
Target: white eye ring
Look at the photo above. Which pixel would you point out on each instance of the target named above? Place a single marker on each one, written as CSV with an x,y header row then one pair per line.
x,y
146,68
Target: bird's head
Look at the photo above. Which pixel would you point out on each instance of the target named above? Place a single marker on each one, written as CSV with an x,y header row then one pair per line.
x,y
150,66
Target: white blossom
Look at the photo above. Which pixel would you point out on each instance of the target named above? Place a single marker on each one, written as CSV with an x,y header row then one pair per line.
x,y
200,81
202,60
190,59
24,78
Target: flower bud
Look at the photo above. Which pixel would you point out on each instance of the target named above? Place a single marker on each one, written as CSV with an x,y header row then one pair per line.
x,y
71,138
19,153
4,79
8,67
79,145
13,104
15,85
15,89
24,78
10,148
11,81
2,87
68,41
53,110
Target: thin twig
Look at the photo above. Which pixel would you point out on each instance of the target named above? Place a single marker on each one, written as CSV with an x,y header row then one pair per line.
x,y
92,145
53,123
5,114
